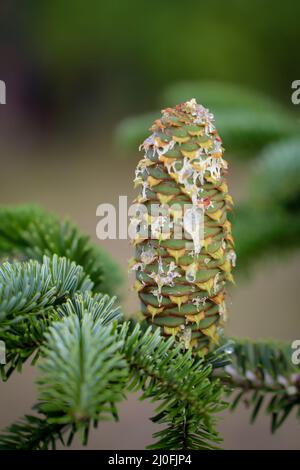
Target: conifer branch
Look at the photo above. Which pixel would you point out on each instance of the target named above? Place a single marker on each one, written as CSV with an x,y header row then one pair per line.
x,y
189,397
82,374
30,293
262,376
29,232
32,433
88,362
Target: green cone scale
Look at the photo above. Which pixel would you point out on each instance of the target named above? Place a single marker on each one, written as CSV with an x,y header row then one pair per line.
x,y
181,281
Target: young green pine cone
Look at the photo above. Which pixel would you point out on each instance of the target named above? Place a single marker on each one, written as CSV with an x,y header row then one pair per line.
x,y
181,279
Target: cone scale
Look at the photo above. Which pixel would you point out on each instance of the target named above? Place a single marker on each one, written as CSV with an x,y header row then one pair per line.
x,y
181,282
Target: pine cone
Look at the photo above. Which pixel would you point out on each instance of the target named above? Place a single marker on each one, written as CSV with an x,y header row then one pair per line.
x,y
181,282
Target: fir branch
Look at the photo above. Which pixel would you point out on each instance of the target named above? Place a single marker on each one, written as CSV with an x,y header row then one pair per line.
x,y
28,231
32,433
81,377
188,397
82,374
262,376
27,287
30,292
184,432
101,308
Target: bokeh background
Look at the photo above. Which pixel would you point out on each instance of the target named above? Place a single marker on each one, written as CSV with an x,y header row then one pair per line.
x,y
79,74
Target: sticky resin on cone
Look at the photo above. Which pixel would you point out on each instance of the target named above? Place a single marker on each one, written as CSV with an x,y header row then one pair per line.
x,y
181,281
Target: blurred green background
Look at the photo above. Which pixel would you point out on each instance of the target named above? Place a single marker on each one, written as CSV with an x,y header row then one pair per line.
x,y
72,58
84,80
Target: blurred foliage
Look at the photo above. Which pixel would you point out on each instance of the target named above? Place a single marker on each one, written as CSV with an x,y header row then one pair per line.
x,y
220,95
269,221
170,39
247,120
276,179
260,234
127,51
134,130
